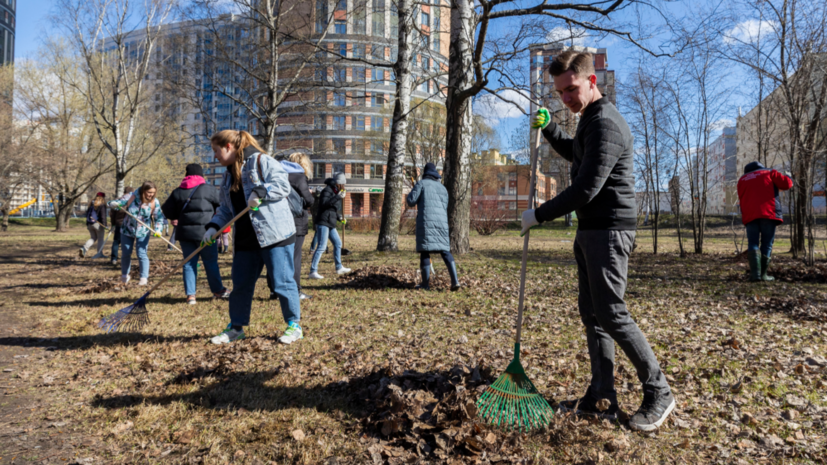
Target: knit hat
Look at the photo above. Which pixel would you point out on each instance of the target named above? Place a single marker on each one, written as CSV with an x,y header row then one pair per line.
x,y
194,169
430,170
100,194
340,178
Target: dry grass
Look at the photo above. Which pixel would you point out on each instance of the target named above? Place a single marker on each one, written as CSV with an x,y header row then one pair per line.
x,y
736,354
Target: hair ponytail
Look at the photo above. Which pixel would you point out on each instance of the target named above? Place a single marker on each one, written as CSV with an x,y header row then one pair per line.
x,y
240,140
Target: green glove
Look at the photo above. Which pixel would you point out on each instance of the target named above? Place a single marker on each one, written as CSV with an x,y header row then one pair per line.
x,y
344,221
541,120
156,234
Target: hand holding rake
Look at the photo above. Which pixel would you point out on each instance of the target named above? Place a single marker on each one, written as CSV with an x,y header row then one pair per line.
x,y
152,231
135,316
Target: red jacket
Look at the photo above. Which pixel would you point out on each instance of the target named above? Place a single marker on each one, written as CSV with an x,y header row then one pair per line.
x,y
758,193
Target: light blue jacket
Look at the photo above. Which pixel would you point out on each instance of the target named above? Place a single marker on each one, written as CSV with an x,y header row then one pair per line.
x,y
273,222
431,200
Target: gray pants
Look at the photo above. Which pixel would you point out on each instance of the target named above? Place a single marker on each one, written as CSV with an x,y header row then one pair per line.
x,y
96,233
602,262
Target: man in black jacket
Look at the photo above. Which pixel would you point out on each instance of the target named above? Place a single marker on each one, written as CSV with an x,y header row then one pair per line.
x,y
190,207
603,195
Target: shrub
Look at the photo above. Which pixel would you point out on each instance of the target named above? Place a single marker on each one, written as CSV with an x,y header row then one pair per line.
x,y
487,219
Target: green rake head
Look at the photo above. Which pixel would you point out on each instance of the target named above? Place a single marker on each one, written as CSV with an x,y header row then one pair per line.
x,y
513,402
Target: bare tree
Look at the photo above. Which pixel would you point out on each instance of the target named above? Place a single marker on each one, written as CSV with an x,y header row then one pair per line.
x,y
67,158
115,41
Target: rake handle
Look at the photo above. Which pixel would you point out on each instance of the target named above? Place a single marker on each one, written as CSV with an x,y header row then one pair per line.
x,y
534,149
199,249
147,227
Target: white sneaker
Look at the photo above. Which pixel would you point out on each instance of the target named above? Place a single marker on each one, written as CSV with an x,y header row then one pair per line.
x,y
292,334
125,279
343,270
228,335
82,252
142,282
315,275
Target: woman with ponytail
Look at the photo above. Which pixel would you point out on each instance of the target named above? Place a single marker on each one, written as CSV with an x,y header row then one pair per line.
x,y
144,206
96,224
265,236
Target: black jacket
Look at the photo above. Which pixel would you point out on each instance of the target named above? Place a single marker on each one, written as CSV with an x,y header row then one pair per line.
x,y
602,190
328,205
298,181
192,223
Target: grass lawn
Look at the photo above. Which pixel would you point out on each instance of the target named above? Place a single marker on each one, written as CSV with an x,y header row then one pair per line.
x,y
387,374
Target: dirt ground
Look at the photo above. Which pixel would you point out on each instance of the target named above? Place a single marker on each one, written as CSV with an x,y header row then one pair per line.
x,y
387,374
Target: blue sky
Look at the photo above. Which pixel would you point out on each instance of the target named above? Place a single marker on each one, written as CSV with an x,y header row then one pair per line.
x,y
32,25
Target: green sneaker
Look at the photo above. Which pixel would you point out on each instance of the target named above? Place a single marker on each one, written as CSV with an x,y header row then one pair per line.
x,y
228,335
292,334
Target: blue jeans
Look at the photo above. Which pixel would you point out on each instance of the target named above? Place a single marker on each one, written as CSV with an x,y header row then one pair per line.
x,y
127,244
116,242
247,266
764,230
209,255
323,232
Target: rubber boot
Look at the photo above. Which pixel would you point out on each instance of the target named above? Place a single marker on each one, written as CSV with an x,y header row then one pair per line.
x,y
754,265
452,270
425,285
765,265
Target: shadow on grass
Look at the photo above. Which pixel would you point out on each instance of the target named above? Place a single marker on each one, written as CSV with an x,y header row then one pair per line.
x,y
120,300
96,340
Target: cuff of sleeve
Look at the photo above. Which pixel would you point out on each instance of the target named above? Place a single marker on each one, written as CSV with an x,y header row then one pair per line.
x,y
260,191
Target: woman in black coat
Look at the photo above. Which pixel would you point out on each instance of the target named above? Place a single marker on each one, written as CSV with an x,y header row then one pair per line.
x,y
327,216
191,207
299,170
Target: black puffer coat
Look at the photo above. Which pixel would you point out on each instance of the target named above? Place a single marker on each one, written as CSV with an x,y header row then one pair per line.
x,y
328,205
192,222
298,181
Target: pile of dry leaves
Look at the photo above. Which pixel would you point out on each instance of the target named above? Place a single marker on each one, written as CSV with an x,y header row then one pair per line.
x,y
798,308
432,416
798,271
383,277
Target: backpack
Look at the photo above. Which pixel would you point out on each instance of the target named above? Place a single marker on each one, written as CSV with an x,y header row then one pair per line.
x,y
294,200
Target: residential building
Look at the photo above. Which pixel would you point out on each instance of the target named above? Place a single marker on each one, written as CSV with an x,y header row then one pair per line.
x,y
506,187
493,157
7,24
722,178
542,85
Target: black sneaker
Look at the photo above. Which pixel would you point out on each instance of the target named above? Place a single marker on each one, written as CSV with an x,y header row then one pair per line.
x,y
587,405
653,412
273,295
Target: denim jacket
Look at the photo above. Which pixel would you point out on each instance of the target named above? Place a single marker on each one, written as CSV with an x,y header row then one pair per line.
x,y
144,213
273,222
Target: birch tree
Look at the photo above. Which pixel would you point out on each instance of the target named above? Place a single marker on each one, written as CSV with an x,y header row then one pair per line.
x,y
115,41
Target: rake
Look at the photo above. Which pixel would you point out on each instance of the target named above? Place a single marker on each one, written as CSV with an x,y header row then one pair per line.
x,y
512,401
135,316
147,227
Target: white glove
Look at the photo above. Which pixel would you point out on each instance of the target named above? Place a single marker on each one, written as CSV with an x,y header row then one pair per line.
x,y
529,221
114,205
342,194
253,201
788,174
208,236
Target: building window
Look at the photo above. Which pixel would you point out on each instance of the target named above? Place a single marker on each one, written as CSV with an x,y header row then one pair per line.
x,y
359,75
377,123
319,170
339,146
377,52
357,147
426,19
377,172
322,16
394,21
360,11
377,100
321,74
339,74
378,26
435,39
360,123
358,98
339,123
358,170
341,5
340,26
339,98
377,147
359,51
378,76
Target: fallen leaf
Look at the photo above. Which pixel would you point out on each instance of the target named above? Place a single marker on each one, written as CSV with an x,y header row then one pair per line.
x,y
298,435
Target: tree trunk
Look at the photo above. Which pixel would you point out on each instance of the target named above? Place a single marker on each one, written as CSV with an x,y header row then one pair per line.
x,y
459,125
655,229
800,216
395,176
62,217
5,225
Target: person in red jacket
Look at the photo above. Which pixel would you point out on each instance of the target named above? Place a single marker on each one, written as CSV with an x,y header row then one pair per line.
x,y
761,212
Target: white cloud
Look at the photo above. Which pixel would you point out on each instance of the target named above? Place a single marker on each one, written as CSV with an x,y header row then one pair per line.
x,y
494,109
574,36
721,124
749,31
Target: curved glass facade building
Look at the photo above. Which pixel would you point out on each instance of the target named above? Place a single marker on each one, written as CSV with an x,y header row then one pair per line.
x,y
8,10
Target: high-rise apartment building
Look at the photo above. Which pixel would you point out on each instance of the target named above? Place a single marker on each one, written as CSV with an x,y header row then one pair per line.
x,y
542,85
7,22
722,177
340,111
